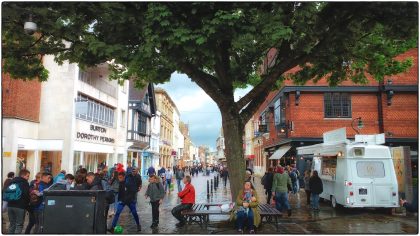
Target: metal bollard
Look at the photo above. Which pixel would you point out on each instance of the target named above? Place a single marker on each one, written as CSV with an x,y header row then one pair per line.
x,y
211,186
215,183
208,189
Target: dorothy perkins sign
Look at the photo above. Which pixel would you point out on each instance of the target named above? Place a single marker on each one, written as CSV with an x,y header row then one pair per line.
x,y
98,135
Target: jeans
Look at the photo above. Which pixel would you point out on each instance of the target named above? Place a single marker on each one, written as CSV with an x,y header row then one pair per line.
x,y
282,201
225,181
155,211
38,221
315,201
176,211
168,185
178,183
120,208
115,204
295,187
31,221
242,217
308,197
269,195
16,219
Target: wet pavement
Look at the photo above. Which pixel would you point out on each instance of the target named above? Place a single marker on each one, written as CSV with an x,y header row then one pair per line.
x,y
302,221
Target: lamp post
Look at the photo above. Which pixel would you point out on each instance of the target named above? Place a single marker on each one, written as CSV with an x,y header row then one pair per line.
x,y
360,124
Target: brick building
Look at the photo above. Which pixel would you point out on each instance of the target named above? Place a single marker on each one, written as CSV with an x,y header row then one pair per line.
x,y
299,115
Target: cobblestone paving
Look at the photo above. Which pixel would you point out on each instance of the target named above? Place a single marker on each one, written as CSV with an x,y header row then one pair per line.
x,y
303,220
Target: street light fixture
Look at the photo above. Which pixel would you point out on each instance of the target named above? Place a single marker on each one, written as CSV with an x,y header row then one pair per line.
x,y
29,26
360,124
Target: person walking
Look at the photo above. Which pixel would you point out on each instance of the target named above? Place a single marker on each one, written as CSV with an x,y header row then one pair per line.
x,y
267,181
316,188
168,180
126,197
280,191
294,178
46,182
33,201
247,209
156,193
6,184
187,197
179,175
17,197
306,178
115,185
225,176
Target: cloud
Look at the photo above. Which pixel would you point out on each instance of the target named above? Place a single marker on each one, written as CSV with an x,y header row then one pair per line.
x,y
197,109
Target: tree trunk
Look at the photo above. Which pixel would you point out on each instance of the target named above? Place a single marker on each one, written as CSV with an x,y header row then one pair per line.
x,y
233,131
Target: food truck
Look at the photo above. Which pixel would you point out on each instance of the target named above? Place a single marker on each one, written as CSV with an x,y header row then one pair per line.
x,y
354,174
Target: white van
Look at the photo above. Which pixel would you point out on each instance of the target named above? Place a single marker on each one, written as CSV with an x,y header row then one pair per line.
x,y
355,174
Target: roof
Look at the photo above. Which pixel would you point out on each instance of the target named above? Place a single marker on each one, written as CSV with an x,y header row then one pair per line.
x,y
163,91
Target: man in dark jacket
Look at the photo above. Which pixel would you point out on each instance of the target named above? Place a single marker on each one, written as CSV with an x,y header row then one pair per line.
x,y
126,197
16,209
93,181
46,181
179,175
268,183
316,188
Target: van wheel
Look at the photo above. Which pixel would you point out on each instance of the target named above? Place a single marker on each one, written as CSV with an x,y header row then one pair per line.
x,y
333,202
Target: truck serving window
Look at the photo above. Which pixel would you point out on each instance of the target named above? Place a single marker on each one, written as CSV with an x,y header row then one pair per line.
x,y
370,169
328,165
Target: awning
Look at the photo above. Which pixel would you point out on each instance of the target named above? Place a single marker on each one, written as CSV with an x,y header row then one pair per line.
x,y
280,153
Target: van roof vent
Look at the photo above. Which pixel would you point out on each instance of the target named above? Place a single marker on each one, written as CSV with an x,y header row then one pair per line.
x,y
370,139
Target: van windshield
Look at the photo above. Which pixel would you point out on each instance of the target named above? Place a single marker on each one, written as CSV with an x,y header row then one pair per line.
x,y
370,169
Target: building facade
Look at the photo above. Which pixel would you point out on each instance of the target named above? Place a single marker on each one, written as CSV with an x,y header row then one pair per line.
x,y
155,139
167,108
78,117
298,115
220,146
141,109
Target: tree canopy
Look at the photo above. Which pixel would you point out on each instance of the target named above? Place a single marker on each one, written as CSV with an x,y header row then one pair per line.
x,y
220,46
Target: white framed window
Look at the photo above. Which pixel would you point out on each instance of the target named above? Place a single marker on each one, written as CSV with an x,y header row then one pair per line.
x,y
123,118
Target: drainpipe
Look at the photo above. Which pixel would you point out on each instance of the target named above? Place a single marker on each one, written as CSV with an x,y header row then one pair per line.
x,y
380,107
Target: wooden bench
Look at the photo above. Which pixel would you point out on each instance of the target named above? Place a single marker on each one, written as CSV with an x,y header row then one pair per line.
x,y
200,213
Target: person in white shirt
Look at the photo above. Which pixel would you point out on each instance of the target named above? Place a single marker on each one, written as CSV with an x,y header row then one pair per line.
x,y
168,177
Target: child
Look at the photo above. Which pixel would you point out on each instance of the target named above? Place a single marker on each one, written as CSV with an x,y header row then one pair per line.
x,y
156,193
248,197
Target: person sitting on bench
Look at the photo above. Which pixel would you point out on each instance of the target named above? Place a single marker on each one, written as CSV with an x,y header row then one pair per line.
x,y
246,209
187,201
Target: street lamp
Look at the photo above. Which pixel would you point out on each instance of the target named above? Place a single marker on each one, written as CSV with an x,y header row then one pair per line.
x,y
29,26
360,124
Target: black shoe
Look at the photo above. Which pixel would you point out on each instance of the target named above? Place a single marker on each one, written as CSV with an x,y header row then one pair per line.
x,y
180,224
289,213
138,228
111,230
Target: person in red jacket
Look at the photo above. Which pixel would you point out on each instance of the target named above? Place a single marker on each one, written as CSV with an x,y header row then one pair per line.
x,y
187,200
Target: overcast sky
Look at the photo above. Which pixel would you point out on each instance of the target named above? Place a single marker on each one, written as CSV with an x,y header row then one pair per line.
x,y
197,109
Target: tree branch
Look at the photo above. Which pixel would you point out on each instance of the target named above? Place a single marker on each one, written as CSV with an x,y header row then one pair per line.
x,y
207,82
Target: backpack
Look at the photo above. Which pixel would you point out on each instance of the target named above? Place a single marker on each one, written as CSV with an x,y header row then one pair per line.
x,y
12,193
264,179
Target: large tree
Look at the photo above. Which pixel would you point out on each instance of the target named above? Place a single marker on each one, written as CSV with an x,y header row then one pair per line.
x,y
220,46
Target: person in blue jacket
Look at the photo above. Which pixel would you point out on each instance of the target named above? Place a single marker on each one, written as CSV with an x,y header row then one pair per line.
x,y
38,210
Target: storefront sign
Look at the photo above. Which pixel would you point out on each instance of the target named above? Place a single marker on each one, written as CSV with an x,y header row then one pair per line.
x,y
7,154
100,137
94,137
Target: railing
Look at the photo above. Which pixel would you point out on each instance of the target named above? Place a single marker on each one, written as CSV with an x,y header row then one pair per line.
x,y
98,83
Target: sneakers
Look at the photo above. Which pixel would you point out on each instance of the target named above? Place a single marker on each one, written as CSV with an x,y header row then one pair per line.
x,y
138,228
240,231
252,231
154,225
111,230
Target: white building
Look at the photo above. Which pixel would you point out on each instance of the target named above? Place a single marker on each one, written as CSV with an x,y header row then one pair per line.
x,y
155,139
177,138
220,146
82,121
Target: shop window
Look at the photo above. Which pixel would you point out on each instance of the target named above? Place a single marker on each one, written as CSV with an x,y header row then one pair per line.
x,y
77,161
21,161
329,166
337,105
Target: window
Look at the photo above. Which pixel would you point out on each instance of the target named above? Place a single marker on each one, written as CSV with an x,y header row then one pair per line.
x,y
142,124
94,111
337,105
122,118
370,169
277,111
328,166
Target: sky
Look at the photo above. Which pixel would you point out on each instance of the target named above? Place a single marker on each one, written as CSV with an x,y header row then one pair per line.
x,y
197,109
